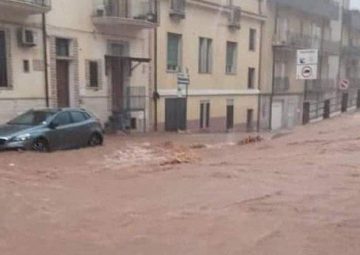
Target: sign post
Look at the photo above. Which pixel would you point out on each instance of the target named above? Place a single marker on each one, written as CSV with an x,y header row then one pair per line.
x,y
307,64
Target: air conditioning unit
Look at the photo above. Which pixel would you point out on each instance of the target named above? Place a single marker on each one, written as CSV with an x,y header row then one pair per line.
x,y
177,9
27,37
235,17
100,10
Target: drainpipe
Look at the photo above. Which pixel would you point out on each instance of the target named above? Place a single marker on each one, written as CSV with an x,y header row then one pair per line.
x,y
260,68
341,42
156,93
45,55
273,70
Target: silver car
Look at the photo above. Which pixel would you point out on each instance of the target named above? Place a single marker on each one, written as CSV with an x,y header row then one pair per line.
x,y
51,129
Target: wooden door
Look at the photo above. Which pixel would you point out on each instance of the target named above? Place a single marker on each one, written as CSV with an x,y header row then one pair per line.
x,y
62,82
229,117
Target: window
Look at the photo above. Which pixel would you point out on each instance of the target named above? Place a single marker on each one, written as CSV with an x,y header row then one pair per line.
x,y
252,39
231,57
173,52
26,66
29,36
94,74
62,47
63,119
251,78
3,61
204,115
119,49
282,29
205,55
78,117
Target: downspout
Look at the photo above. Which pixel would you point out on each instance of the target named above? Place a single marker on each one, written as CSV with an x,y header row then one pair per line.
x,y
45,55
156,93
273,70
342,11
260,69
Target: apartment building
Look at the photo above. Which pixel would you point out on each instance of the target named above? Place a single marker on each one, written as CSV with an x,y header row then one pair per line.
x,y
217,44
350,65
92,54
292,25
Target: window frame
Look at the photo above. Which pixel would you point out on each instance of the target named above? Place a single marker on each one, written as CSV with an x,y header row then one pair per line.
x,y
251,78
205,46
252,39
4,84
57,116
61,42
92,74
234,58
179,51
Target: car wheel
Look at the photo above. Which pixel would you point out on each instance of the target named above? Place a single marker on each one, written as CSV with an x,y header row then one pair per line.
x,y
40,145
95,140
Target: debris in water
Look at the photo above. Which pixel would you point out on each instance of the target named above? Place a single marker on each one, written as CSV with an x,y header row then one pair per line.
x,y
251,140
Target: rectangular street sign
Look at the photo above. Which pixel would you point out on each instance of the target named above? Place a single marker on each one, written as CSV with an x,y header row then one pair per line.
x,y
307,64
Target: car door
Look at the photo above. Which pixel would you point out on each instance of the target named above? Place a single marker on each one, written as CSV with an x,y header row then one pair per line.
x,y
81,128
60,135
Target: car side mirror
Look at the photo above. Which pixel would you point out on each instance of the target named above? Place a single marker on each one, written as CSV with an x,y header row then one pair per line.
x,y
53,125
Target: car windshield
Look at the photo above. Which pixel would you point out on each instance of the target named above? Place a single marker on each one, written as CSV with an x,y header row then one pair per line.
x,y
31,118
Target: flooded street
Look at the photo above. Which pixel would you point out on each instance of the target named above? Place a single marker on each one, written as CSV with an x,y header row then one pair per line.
x,y
295,194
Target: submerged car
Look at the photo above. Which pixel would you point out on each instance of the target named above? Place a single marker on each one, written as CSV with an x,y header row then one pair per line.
x,y
51,129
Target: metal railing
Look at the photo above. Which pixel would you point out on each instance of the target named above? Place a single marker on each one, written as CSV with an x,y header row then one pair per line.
x,y
135,99
132,9
341,102
325,8
40,3
281,85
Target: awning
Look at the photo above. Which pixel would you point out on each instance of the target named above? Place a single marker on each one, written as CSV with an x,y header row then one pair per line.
x,y
128,60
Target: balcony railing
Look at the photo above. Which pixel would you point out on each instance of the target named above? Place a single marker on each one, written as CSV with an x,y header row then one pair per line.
x,y
330,46
324,8
26,6
351,50
177,8
115,13
296,40
281,85
319,89
352,18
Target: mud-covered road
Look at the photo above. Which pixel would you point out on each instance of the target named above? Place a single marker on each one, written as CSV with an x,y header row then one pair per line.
x,y
297,194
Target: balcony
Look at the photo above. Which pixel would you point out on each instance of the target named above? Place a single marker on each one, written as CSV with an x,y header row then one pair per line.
x,y
281,84
331,47
351,51
319,89
25,7
352,19
295,40
327,9
121,14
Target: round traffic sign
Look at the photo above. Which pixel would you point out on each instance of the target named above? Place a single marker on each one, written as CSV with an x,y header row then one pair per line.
x,y
307,71
344,84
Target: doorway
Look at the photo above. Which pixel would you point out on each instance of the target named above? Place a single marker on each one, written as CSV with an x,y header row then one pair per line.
x,y
62,82
229,116
277,111
175,114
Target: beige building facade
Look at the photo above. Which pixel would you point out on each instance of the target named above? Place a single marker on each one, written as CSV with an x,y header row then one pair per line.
x,y
217,44
91,54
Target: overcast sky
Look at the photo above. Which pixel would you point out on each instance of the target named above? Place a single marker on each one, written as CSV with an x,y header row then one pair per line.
x,y
355,4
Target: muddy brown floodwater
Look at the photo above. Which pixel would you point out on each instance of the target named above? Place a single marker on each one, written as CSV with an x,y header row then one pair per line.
x,y
295,194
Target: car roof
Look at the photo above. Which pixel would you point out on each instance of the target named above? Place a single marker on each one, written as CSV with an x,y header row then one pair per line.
x,y
55,110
